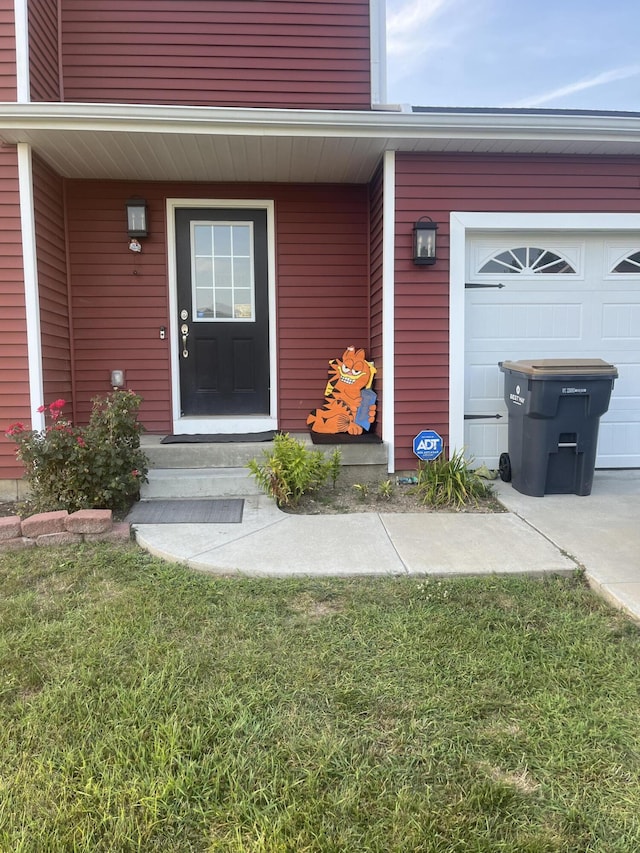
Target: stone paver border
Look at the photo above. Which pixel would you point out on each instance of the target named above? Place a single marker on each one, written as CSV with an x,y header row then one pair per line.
x,y
61,528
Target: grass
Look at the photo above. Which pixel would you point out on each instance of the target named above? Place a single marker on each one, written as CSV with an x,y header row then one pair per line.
x,y
147,708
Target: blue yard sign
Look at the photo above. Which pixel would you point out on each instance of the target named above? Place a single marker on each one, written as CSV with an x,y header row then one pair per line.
x,y
427,445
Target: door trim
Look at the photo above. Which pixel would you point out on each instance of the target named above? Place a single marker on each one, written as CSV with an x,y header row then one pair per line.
x,y
462,226
235,424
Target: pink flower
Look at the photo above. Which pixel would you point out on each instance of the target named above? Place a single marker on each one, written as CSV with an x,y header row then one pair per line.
x,y
15,429
135,473
56,407
81,442
42,409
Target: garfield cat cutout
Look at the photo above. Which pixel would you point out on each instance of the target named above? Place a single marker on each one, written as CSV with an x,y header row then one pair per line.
x,y
350,404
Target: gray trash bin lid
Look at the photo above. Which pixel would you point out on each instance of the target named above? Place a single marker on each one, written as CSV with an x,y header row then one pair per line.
x,y
562,368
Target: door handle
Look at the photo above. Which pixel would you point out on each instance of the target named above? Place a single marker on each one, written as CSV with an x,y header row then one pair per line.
x,y
184,331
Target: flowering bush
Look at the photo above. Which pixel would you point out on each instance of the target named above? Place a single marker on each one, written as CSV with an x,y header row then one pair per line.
x,y
97,466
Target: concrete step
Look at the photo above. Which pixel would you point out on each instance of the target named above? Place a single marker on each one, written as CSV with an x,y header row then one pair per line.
x,y
219,469
238,454
173,483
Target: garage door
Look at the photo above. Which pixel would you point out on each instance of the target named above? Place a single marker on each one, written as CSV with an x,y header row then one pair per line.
x,y
536,296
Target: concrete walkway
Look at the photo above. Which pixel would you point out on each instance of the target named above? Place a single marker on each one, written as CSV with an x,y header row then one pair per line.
x,y
557,533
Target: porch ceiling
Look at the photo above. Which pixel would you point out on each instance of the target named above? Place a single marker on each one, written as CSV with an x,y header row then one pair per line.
x,y
129,142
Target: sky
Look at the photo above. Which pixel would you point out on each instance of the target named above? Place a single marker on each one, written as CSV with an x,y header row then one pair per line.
x,y
549,54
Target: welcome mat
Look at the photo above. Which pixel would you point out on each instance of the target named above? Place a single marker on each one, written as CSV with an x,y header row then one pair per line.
x,y
209,511
218,438
344,438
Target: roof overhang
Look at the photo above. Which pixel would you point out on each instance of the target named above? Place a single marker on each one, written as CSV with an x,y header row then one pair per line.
x,y
174,143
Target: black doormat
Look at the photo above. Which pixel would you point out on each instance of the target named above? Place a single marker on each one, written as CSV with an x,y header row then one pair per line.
x,y
218,438
344,438
209,511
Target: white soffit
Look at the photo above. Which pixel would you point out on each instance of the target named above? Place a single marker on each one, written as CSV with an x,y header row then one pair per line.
x,y
224,144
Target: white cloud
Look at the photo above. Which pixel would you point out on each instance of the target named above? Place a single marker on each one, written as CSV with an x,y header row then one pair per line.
x,y
580,86
406,23
423,35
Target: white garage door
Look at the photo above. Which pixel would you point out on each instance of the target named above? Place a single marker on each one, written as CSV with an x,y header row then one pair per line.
x,y
537,296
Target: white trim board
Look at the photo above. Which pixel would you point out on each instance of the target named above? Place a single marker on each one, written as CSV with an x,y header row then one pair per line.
x,y
225,425
388,305
462,225
31,295
377,41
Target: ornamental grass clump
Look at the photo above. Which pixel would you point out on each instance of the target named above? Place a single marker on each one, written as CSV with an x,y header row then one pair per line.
x,y
100,466
450,482
290,470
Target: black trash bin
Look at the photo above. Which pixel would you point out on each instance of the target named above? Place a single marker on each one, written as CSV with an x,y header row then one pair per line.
x,y
554,407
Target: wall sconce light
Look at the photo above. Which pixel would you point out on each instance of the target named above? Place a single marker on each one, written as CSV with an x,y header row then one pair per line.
x,y
424,241
117,379
137,220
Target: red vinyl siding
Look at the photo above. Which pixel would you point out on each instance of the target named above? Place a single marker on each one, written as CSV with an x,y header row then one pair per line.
x,y
375,311
7,51
14,370
120,300
323,299
43,50
52,285
436,185
249,53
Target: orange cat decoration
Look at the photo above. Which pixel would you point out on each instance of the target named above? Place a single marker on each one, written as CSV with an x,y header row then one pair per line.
x,y
350,404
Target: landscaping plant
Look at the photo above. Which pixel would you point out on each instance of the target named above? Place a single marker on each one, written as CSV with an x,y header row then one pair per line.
x,y
449,482
385,490
97,466
291,470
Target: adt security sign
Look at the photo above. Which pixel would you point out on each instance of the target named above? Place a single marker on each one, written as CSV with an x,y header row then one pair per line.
x,y
427,445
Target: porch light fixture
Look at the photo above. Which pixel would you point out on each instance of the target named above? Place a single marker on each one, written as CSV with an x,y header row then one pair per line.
x,y
137,224
117,379
424,241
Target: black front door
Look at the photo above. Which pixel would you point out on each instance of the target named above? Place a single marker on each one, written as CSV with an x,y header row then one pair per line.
x,y
223,311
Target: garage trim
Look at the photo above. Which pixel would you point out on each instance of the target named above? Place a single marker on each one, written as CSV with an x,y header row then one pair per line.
x,y
463,222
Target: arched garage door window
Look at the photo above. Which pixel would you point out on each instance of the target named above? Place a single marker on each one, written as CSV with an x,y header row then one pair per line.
x,y
527,260
630,263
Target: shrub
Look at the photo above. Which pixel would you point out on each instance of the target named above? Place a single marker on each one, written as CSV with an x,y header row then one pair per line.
x,y
290,470
449,482
99,466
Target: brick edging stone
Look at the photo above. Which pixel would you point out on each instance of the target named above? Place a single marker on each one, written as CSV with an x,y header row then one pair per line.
x,y
61,528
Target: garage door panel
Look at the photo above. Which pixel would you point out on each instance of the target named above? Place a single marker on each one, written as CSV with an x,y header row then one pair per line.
x,y
614,441
620,321
485,386
525,320
491,437
626,394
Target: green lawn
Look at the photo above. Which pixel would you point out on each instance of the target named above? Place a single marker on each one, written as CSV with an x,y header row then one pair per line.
x,y
145,707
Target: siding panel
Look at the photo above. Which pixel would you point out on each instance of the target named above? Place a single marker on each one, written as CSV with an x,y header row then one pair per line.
x,y
8,90
14,371
375,310
52,285
43,50
437,185
251,53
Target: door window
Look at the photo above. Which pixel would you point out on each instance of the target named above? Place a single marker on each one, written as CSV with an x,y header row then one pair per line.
x,y
222,271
